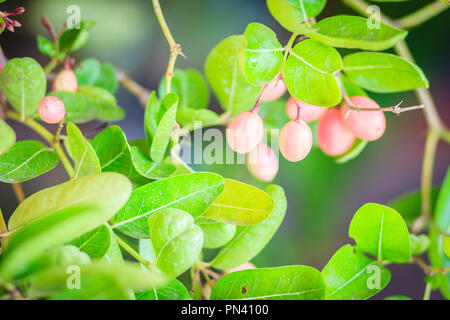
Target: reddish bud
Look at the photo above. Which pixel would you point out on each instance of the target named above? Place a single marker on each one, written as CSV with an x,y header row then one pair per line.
x,y
365,125
262,163
333,136
295,140
245,132
51,109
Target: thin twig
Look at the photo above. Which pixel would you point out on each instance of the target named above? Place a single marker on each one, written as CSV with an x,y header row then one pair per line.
x,y
18,192
422,15
135,88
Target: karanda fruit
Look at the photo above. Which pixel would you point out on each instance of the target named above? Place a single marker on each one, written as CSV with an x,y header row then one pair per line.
x,y
262,162
333,136
274,90
65,80
308,112
245,131
51,109
295,140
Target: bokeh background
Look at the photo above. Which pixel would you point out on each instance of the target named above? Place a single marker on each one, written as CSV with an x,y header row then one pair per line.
x,y
322,195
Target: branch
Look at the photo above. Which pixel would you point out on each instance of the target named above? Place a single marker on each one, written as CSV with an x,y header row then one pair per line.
x,y
135,88
422,15
131,251
18,191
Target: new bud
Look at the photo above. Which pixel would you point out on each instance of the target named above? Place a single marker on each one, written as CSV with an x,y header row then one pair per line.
x,y
262,163
308,112
333,136
51,109
245,132
295,140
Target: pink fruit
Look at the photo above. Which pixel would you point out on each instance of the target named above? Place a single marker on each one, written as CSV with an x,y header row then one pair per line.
x,y
244,266
308,112
274,90
65,80
245,132
51,109
295,140
366,125
262,162
333,136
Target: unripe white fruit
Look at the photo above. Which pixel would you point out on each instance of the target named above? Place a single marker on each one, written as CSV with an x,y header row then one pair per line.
x,y
245,132
295,140
308,112
65,80
262,163
365,125
274,90
333,136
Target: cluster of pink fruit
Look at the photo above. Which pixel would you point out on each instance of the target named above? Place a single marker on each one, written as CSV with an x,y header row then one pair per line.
x,y
337,130
51,109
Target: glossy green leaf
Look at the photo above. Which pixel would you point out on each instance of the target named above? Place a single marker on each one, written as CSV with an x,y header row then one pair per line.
x,y
292,14
310,73
99,281
419,244
165,127
438,259
8,137
153,114
26,160
226,78
173,290
109,191
108,78
409,205
104,102
73,39
383,72
151,170
91,72
177,240
190,86
442,210
446,246
250,240
282,283
190,192
356,32
113,152
215,234
95,243
352,88
381,232
45,46
240,204
79,108
262,56
23,83
187,116
350,275
29,242
82,153
355,151
114,254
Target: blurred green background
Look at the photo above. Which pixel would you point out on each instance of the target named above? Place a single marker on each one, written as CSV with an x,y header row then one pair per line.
x,y
322,195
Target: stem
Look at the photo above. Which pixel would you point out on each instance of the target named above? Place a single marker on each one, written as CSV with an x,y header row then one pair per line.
x,y
288,48
131,251
427,294
395,109
47,136
135,88
18,191
175,48
51,65
422,15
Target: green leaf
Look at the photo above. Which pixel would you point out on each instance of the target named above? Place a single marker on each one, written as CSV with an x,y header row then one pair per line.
x,y
79,108
215,234
26,160
355,32
350,275
190,86
282,283
151,170
87,72
177,240
8,137
173,290
104,101
82,153
23,83
108,78
250,240
165,127
397,297
45,46
190,192
273,114
292,14
351,88
62,226
262,56
113,152
442,211
95,243
381,232
99,281
153,114
438,259
73,39
226,78
114,254
310,73
419,244
110,191
355,150
186,116
240,204
383,72
409,205
446,246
